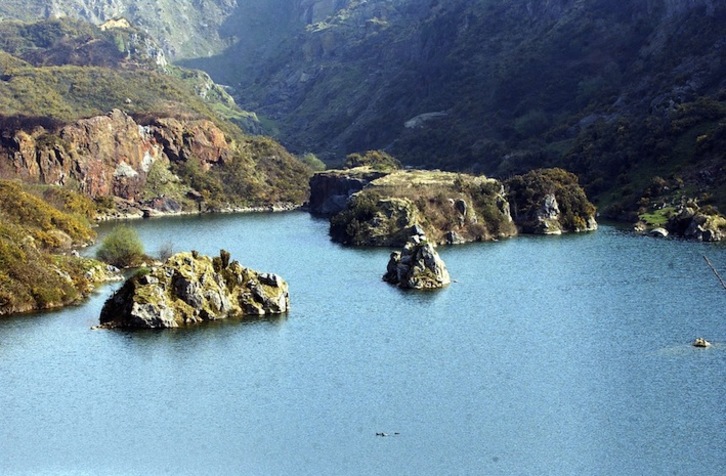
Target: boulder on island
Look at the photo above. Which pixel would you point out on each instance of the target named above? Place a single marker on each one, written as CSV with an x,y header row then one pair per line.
x,y
417,266
191,288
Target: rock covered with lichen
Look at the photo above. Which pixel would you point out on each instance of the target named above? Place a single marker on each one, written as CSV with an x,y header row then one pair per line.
x,y
190,288
417,266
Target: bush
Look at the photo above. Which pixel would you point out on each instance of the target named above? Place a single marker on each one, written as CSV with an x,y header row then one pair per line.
x,y
122,247
312,161
376,159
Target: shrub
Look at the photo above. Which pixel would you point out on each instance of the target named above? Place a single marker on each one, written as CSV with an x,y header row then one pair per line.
x,y
166,251
312,161
122,247
375,159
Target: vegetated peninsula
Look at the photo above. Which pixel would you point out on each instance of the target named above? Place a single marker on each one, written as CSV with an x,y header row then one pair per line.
x,y
39,226
94,123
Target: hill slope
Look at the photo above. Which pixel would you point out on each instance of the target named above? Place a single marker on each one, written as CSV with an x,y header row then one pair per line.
x,y
169,135
617,92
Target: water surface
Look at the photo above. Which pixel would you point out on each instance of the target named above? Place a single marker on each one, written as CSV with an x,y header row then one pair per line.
x,y
547,355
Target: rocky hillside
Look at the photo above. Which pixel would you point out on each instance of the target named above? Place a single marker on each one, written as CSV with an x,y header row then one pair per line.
x,y
168,143
185,28
158,164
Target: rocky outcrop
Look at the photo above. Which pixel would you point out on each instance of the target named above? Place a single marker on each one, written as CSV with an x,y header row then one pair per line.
x,y
449,208
694,223
114,156
330,190
550,202
417,266
389,221
191,288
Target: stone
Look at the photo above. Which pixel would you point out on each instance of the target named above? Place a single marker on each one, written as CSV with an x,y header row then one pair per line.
x,y
189,289
454,238
417,266
693,223
658,232
701,342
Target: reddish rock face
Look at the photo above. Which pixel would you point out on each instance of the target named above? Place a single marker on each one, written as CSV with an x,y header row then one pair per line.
x,y
108,155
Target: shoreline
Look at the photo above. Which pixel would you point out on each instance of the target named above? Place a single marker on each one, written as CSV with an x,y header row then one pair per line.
x,y
135,213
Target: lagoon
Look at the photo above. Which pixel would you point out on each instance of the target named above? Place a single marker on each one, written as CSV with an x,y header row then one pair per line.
x,y
548,355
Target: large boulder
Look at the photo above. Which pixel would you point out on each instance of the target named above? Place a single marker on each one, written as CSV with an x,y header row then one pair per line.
x,y
417,266
191,288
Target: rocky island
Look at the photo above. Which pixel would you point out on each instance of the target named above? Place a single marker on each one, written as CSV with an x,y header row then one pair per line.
x,y
190,288
417,266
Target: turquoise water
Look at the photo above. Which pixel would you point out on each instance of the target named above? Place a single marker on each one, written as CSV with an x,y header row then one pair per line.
x,y
546,356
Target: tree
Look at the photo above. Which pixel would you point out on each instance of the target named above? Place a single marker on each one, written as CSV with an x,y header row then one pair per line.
x,y
122,247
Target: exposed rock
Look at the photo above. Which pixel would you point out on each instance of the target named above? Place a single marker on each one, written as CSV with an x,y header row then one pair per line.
x,y
417,266
330,190
108,155
191,288
391,224
658,232
694,223
453,238
544,220
701,342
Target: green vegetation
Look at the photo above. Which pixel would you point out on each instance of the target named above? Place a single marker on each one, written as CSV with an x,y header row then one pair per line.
x,y
614,93
527,192
375,159
68,69
122,248
49,227
312,161
32,276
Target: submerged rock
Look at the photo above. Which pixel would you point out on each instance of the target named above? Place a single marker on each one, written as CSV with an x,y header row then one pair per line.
x,y
417,266
191,288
